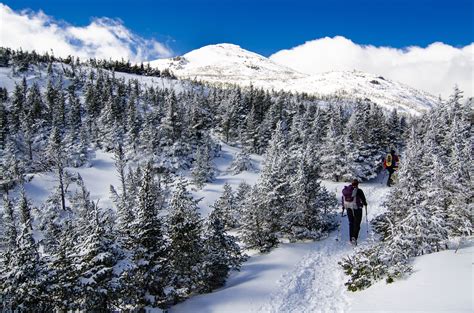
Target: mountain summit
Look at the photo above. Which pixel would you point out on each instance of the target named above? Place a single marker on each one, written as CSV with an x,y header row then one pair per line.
x,y
227,63
230,64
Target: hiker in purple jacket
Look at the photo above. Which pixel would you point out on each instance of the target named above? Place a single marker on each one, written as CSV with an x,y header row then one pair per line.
x,y
353,199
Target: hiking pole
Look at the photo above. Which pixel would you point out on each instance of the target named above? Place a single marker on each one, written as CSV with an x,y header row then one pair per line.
x,y
367,221
339,226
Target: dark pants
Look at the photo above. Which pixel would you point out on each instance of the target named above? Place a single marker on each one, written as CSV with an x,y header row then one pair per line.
x,y
355,218
390,173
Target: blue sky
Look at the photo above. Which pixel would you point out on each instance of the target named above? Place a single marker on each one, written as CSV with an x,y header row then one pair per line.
x,y
268,26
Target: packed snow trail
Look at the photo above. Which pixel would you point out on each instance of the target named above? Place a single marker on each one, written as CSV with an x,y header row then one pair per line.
x,y
316,283
301,277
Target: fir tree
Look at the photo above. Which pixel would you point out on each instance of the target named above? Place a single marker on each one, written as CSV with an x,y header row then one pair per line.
x,y
225,205
62,287
8,247
123,201
333,159
309,216
12,168
273,186
186,254
55,159
222,253
25,281
202,171
255,231
241,163
149,252
94,261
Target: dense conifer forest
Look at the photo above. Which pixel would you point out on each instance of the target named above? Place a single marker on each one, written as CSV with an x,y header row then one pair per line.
x,y
153,248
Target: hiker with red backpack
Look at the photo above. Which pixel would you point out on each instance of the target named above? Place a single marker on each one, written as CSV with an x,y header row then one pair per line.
x,y
353,199
390,163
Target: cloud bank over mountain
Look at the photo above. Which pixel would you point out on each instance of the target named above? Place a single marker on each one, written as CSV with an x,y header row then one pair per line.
x,y
435,68
103,38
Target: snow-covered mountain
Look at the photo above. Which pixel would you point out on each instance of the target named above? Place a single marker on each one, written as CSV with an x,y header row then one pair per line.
x,y
229,63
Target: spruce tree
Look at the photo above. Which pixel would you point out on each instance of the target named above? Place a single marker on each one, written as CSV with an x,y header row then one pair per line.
x,y
334,155
273,186
459,219
8,250
186,254
222,253
55,159
94,261
12,167
225,205
241,163
124,200
25,282
202,171
149,247
62,285
255,231
309,214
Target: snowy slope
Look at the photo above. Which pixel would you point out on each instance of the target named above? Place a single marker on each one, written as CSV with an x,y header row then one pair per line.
x,y
98,178
228,63
212,191
38,75
302,277
441,282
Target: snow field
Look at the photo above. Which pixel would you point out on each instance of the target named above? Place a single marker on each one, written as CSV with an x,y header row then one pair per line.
x,y
212,191
98,178
441,282
302,277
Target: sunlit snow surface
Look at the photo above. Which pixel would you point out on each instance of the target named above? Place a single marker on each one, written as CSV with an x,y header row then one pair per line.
x,y
228,63
304,277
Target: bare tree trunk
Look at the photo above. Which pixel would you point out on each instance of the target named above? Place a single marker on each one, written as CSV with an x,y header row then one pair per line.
x,y
61,186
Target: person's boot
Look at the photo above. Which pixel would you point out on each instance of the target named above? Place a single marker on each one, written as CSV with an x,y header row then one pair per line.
x,y
353,241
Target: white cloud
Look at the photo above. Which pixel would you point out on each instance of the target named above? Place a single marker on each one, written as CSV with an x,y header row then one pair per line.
x,y
435,69
103,38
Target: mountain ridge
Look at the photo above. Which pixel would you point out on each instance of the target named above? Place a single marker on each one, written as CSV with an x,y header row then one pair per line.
x,y
230,64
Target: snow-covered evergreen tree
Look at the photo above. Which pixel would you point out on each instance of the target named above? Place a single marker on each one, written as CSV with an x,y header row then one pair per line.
x,y
24,282
124,200
222,253
12,168
333,155
144,281
255,231
186,253
8,248
202,171
94,261
310,214
241,163
55,159
226,207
